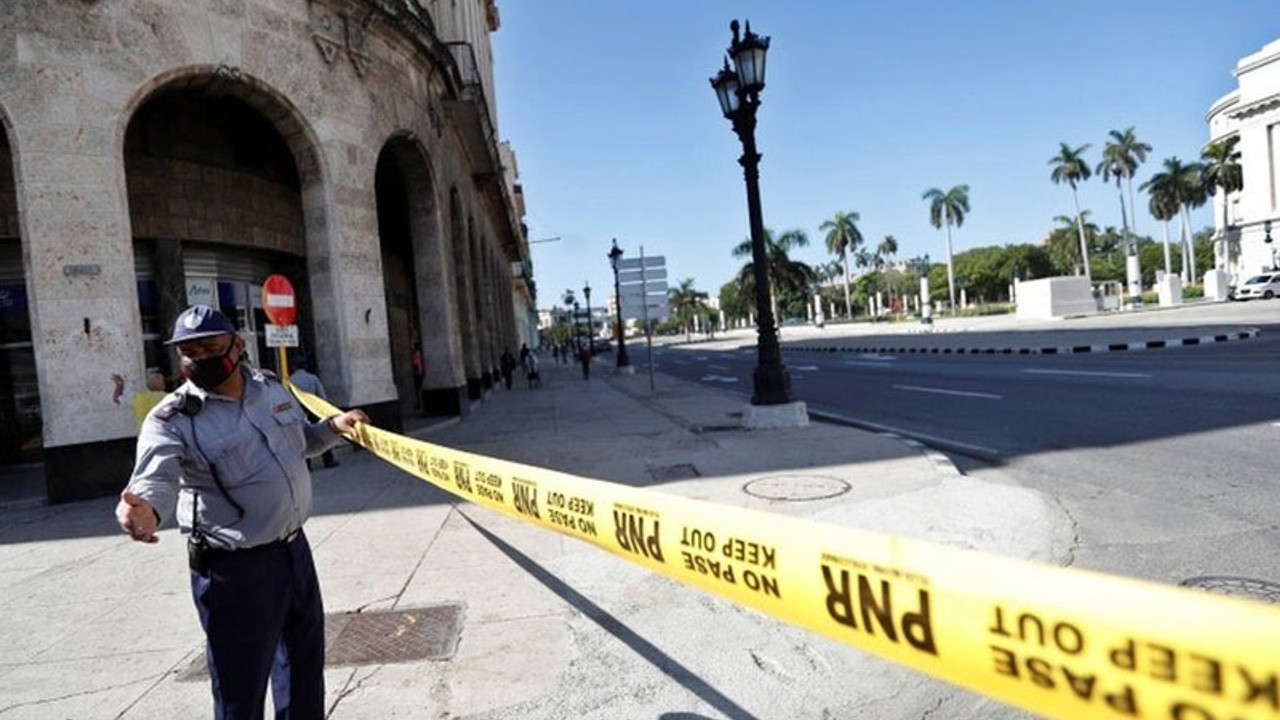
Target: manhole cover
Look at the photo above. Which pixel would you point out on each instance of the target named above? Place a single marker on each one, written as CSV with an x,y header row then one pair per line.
x,y
1245,587
683,471
376,638
792,488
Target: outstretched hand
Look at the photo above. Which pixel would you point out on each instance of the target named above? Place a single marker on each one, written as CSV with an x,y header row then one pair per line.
x,y
137,518
345,424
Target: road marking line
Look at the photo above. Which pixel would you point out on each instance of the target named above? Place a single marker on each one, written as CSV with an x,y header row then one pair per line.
x,y
1089,373
719,378
861,363
940,391
805,368
718,367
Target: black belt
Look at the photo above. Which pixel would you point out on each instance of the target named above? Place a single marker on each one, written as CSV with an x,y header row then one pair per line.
x,y
273,545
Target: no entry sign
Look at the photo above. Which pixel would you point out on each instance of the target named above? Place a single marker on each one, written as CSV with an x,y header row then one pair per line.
x,y
278,300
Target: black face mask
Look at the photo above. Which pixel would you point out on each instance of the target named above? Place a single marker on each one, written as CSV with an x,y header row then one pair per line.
x,y
208,373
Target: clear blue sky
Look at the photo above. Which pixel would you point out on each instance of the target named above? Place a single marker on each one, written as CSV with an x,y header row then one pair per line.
x,y
867,105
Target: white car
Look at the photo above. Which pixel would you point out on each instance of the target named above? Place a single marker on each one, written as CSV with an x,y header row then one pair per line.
x,y
1265,286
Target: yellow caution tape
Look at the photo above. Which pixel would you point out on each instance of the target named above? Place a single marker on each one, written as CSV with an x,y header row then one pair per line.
x,y
1062,643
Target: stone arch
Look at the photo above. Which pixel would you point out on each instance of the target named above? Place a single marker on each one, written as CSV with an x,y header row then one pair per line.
x,y
20,409
413,265
245,189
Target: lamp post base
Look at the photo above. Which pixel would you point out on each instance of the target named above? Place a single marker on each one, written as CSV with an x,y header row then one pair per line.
x,y
625,370
785,415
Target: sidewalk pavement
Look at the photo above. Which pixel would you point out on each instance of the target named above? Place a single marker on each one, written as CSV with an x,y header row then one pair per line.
x,y
525,623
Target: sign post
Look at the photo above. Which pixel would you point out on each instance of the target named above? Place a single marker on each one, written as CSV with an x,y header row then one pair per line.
x,y
279,303
643,289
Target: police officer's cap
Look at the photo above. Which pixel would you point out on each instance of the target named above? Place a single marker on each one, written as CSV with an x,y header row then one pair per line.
x,y
200,321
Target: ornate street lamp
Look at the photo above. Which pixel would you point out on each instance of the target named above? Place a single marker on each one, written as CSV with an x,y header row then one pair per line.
x,y
591,326
614,256
738,90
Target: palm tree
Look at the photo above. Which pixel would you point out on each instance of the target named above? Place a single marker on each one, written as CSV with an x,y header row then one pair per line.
x,y
843,237
948,209
1121,158
1221,169
685,303
1185,185
1164,209
569,297
784,273
1069,166
887,249
1163,206
1070,226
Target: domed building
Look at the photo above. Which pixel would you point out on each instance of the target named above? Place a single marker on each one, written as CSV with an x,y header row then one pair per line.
x,y
157,153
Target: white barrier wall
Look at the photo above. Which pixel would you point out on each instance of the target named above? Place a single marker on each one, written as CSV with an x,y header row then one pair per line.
x,y
1055,297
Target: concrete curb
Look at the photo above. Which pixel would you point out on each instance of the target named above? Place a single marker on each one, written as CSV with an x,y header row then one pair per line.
x,y
1033,350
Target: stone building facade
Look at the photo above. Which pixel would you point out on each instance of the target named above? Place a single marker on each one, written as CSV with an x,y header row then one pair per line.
x,y
1251,112
156,153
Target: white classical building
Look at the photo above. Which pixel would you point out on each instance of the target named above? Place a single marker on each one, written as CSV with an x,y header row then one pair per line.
x,y
1251,112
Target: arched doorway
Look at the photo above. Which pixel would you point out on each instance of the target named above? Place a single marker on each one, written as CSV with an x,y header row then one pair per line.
x,y
420,332
216,205
20,441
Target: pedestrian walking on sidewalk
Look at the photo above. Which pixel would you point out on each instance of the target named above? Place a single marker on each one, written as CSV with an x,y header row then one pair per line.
x,y
225,452
507,364
531,371
584,357
307,381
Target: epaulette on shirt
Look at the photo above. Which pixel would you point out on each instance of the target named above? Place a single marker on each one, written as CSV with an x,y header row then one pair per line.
x,y
168,406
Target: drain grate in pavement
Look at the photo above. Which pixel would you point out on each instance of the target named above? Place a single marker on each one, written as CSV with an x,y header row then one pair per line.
x,y
1263,590
377,638
683,471
796,488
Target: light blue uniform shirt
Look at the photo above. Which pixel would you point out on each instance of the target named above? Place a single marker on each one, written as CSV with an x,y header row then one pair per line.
x,y
259,445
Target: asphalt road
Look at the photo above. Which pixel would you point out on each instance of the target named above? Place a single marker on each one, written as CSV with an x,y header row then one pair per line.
x,y
1163,458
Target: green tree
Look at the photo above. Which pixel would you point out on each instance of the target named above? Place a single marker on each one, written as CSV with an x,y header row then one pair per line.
x,y
1063,244
1183,185
843,237
948,209
1120,159
887,249
789,280
733,301
1221,170
1163,205
1069,166
686,304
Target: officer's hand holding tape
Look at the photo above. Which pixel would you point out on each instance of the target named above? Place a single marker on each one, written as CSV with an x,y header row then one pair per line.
x,y
347,423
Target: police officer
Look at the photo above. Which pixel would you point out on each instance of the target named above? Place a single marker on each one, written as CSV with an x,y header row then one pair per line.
x,y
227,449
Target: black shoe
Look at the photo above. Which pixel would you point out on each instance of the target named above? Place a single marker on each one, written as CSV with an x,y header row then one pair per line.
x,y
333,464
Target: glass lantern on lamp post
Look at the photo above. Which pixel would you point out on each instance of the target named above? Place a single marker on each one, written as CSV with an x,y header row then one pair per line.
x,y
738,90
614,256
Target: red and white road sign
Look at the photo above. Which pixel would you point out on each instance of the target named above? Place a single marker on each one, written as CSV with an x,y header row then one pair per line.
x,y
278,300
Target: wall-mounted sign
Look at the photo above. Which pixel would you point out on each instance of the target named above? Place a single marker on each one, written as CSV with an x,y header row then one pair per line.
x,y
81,270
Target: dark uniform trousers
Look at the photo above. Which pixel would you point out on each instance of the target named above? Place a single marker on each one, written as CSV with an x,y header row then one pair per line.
x,y
262,616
